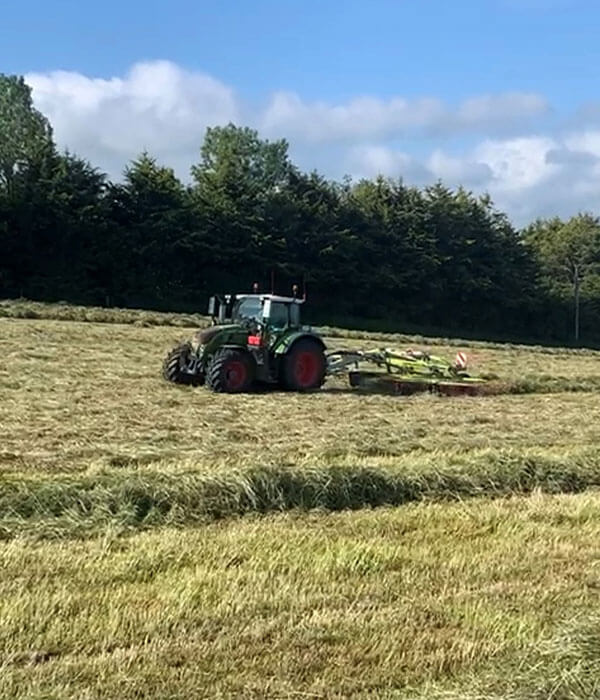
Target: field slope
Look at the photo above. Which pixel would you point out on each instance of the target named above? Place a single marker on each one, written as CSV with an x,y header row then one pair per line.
x,y
162,541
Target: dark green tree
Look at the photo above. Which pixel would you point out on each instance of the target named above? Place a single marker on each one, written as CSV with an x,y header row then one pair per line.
x,y
25,134
237,177
26,161
569,256
396,255
483,278
152,211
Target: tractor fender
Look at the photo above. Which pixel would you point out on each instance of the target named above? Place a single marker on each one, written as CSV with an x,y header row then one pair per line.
x,y
285,343
229,346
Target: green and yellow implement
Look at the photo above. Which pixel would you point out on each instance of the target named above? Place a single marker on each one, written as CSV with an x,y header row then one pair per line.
x,y
405,372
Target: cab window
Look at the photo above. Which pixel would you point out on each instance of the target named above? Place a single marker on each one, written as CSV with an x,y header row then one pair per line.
x,y
249,308
279,316
295,315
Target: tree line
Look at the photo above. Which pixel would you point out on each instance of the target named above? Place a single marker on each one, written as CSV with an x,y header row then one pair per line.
x,y
430,259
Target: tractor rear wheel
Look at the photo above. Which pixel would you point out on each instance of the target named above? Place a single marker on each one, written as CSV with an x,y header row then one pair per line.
x,y
304,366
230,371
174,366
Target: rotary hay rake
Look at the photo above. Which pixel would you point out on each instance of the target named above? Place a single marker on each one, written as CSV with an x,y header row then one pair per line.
x,y
405,372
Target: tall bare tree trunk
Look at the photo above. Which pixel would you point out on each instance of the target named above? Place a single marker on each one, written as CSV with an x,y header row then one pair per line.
x,y
577,285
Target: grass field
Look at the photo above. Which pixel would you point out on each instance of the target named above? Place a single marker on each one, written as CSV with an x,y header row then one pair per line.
x,y
161,541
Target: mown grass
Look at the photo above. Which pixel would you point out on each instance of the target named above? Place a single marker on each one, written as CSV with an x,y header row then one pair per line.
x,y
411,602
126,570
75,396
130,499
60,311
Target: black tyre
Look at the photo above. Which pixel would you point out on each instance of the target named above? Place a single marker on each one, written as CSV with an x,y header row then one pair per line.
x,y
230,371
304,366
174,365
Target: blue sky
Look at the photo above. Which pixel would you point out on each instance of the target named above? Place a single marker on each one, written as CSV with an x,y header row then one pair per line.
x,y
499,95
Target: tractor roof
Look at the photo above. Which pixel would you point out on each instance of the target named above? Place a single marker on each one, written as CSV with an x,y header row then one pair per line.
x,y
272,297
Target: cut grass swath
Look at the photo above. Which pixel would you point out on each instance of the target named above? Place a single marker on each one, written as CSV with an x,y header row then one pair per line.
x,y
148,497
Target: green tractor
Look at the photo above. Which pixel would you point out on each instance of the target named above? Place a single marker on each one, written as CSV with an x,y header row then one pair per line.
x,y
255,339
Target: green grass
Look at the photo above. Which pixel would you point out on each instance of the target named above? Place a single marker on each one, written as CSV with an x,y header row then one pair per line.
x,y
149,497
163,541
403,602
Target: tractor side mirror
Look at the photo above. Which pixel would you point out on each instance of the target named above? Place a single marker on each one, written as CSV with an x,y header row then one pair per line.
x,y
212,303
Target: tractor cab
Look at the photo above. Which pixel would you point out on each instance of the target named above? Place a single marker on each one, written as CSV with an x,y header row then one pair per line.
x,y
269,310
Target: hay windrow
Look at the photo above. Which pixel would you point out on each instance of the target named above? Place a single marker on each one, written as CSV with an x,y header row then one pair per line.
x,y
132,499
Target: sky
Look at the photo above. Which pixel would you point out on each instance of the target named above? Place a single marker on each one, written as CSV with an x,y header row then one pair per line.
x,y
500,96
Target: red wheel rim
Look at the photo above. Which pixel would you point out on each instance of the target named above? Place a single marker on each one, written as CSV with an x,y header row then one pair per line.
x,y
306,370
235,375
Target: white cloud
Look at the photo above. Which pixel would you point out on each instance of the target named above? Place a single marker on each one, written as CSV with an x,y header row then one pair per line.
x,y
362,117
458,171
566,156
367,117
542,176
504,165
517,164
526,177
487,110
165,109
586,142
371,160
157,106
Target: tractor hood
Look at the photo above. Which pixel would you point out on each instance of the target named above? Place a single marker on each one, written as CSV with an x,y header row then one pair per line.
x,y
202,337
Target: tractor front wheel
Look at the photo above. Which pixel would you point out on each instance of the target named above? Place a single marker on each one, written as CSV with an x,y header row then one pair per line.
x,y
175,363
230,371
304,366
